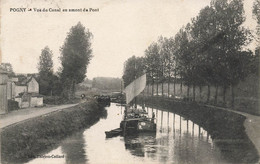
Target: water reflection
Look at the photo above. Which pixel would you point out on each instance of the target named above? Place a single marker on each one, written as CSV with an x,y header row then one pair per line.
x,y
177,140
140,144
73,148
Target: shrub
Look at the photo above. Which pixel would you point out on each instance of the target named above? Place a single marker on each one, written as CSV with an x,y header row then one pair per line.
x,y
12,105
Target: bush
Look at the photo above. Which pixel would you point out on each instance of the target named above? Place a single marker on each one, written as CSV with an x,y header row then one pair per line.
x,y
57,100
12,105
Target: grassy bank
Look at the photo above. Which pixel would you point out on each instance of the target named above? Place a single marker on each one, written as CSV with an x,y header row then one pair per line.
x,y
26,140
226,128
59,100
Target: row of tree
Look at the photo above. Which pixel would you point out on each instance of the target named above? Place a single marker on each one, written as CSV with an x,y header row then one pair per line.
x,y
107,83
76,54
208,51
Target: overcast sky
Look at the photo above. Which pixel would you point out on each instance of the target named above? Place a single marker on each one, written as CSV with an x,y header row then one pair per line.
x,y
121,29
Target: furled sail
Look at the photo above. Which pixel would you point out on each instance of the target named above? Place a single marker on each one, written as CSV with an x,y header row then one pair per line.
x,y
135,88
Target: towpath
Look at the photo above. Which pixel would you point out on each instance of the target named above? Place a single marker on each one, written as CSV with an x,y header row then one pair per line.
x,y
251,124
25,114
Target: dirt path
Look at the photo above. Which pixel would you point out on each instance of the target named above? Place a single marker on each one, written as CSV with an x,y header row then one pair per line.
x,y
24,114
252,126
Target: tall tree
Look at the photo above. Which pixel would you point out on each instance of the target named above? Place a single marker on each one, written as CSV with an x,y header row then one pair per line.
x,y
76,54
185,57
162,63
152,64
178,66
45,63
203,32
230,17
45,68
167,53
133,68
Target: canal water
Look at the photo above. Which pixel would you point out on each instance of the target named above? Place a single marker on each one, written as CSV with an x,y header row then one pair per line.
x,y
177,140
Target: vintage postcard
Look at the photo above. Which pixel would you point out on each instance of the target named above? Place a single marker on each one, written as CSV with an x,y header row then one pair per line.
x,y
129,81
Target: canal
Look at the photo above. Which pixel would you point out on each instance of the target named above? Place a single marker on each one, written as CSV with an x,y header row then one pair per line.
x,y
177,140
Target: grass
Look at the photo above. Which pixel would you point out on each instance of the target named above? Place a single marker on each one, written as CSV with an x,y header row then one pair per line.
x,y
21,142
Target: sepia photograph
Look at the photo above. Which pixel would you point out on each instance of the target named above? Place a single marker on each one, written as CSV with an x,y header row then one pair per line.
x,y
130,81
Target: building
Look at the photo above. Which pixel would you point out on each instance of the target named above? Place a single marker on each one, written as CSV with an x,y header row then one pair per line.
x,y
26,92
29,85
3,92
22,88
29,99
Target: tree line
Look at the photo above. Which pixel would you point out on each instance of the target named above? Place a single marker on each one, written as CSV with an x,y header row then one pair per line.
x,y
210,50
107,83
76,54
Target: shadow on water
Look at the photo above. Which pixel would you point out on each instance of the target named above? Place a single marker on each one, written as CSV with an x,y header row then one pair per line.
x,y
73,147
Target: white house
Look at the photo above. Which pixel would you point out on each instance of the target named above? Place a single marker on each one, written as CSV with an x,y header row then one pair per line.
x,y
27,99
26,92
32,85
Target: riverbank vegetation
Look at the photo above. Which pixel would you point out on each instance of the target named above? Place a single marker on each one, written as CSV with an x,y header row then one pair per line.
x,y
24,141
206,61
224,127
59,100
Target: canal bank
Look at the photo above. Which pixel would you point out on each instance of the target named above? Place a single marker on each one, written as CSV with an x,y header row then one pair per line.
x,y
31,138
252,127
225,126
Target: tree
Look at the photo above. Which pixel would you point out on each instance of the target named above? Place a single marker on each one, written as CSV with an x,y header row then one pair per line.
x,y
107,83
204,37
230,17
208,51
185,57
45,68
133,68
152,64
256,10
76,54
255,62
168,60
219,40
178,66
256,14
8,68
49,83
45,63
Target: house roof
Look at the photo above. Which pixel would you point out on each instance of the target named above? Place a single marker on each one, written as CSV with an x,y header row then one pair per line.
x,y
24,81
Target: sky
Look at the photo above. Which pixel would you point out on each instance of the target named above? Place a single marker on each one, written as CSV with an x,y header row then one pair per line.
x,y
121,29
